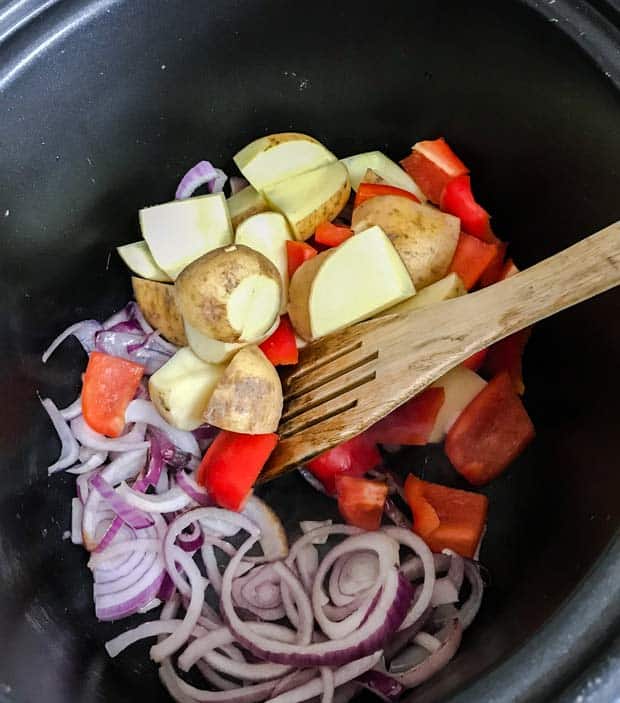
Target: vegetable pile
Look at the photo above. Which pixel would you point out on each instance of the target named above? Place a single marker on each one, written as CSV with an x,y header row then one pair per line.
x,y
180,406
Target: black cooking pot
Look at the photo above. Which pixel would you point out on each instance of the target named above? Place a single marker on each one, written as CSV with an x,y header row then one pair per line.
x,y
104,104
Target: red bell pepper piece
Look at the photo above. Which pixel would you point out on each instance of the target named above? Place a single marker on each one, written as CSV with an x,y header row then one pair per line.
x,y
232,464
412,422
475,361
331,235
471,258
353,458
446,518
458,200
371,190
509,270
493,272
361,501
490,433
507,355
109,384
297,253
432,164
281,347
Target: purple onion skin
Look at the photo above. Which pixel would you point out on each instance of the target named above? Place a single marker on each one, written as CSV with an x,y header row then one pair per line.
x,y
382,685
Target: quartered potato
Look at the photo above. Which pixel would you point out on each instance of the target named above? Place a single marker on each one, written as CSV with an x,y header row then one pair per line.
x,y
158,305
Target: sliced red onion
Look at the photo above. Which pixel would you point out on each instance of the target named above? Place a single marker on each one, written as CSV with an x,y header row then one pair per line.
x,y
450,638
470,608
72,410
171,502
144,411
273,540
83,331
131,441
126,512
328,681
382,685
193,540
310,525
237,184
131,312
259,592
76,520
167,589
444,592
148,629
91,458
395,514
70,449
189,486
456,571
203,173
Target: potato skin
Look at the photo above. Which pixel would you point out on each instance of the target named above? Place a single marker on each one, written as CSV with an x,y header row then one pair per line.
x,y
158,305
204,287
424,237
300,288
330,209
248,397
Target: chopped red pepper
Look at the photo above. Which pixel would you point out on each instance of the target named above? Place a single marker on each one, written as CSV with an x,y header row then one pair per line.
x,y
432,164
353,458
297,253
331,235
371,190
109,384
281,347
458,200
493,272
490,433
507,355
475,361
232,464
446,518
361,501
412,422
471,258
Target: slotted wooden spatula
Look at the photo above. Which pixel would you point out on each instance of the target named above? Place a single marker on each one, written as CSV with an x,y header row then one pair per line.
x,y
351,379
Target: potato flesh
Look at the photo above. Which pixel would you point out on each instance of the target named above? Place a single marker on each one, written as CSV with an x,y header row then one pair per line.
x,y
268,233
384,167
244,204
158,304
253,306
278,157
181,231
182,387
446,288
359,279
461,386
139,259
311,198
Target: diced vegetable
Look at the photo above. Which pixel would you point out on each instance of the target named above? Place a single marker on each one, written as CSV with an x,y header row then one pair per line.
x,y
385,168
244,204
371,190
411,423
352,458
493,272
139,259
361,501
458,200
279,157
268,234
448,287
182,387
181,231
248,396
232,294
232,464
281,347
460,386
310,198
424,237
158,305
507,355
475,361
490,433
471,258
297,253
109,385
446,518
365,272
332,235
432,164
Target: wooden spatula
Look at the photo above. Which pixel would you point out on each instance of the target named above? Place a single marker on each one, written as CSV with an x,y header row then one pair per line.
x,y
351,379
